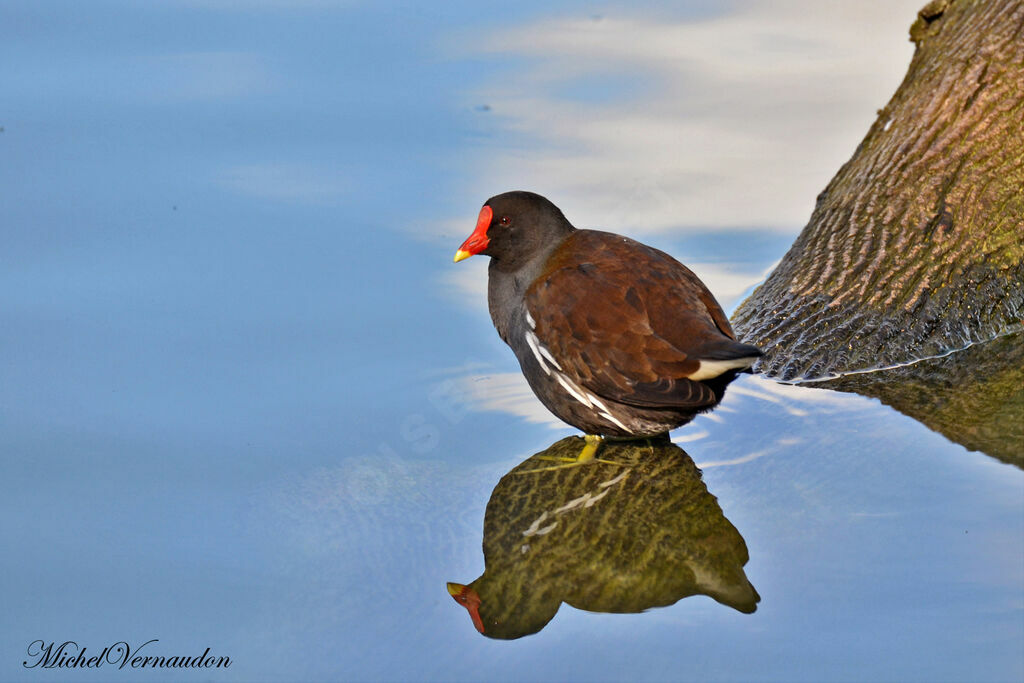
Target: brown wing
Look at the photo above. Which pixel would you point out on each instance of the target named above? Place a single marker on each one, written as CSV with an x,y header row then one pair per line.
x,y
629,322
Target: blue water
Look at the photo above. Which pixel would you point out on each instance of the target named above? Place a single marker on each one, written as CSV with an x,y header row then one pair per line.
x,y
245,406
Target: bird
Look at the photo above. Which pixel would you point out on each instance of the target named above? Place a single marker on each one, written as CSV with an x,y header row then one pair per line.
x,y
615,338
646,535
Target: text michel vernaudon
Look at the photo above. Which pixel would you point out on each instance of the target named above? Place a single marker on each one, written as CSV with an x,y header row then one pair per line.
x,y
68,655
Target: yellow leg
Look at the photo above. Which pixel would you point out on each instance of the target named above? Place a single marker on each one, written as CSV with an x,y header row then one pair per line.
x,y
587,455
591,445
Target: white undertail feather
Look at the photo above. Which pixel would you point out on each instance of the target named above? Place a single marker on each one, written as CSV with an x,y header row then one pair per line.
x,y
710,369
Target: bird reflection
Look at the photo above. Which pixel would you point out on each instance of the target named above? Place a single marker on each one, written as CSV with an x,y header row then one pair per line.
x,y
643,532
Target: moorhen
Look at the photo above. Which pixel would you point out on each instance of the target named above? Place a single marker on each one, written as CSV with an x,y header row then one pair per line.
x,y
614,337
645,536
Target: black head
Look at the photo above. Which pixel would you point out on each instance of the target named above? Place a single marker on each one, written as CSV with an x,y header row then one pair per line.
x,y
496,614
514,228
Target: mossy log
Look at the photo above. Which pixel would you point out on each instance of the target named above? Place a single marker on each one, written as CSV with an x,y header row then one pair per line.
x,y
916,246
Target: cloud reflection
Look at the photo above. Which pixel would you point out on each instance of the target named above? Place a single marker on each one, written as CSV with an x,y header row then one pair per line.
x,y
733,120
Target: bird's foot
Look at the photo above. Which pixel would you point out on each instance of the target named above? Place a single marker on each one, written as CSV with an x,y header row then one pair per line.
x,y
586,456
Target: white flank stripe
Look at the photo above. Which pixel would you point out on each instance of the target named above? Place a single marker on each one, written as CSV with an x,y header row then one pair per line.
x,y
597,402
530,321
547,529
536,524
616,480
575,503
531,339
572,389
545,359
611,418
547,354
605,413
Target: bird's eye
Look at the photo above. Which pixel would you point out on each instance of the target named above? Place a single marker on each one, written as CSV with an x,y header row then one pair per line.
x,y
505,220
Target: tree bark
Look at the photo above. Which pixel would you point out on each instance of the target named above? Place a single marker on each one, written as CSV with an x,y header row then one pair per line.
x,y
916,246
973,397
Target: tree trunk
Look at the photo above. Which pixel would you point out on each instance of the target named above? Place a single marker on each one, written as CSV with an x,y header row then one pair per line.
x,y
916,247
973,397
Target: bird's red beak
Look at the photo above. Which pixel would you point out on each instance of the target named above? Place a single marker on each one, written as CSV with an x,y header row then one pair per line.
x,y
468,598
478,241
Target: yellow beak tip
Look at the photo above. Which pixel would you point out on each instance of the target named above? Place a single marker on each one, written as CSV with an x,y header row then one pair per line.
x,y
461,255
455,588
